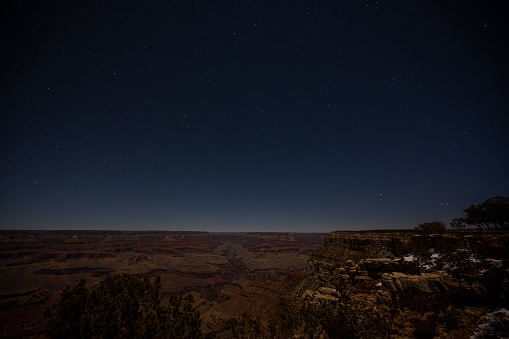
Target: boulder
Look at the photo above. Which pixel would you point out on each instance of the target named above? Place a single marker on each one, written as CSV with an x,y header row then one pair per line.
x,y
323,294
425,283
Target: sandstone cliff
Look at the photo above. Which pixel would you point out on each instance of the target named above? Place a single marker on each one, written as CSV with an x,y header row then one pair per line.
x,y
425,285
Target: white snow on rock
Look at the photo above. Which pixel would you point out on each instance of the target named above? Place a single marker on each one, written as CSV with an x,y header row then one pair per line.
x,y
494,324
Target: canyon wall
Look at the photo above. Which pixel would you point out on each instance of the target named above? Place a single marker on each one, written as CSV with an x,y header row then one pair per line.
x,y
414,280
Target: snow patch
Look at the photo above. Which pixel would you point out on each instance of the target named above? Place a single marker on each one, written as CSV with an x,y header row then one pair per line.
x,y
494,324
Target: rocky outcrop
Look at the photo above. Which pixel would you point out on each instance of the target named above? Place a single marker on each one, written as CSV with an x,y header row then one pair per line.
x,y
342,245
323,294
406,262
424,283
411,278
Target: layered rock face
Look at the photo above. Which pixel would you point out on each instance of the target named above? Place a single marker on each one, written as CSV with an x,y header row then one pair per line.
x,y
413,279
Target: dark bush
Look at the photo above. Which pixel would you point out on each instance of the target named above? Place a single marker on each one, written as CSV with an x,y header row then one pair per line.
x,y
431,227
122,306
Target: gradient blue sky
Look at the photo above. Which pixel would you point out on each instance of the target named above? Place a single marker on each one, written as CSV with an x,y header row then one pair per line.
x,y
250,116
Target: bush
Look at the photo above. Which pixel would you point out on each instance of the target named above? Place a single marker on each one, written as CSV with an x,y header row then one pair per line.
x,y
457,223
431,227
122,306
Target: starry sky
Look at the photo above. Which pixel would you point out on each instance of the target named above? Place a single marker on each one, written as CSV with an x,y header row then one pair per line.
x,y
300,116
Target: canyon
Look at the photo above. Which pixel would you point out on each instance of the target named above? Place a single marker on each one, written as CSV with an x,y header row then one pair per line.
x,y
211,266
416,285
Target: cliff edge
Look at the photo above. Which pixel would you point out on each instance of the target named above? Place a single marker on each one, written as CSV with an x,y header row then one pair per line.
x,y
423,285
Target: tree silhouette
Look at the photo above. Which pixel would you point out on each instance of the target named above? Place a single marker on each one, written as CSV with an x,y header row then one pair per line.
x,y
491,214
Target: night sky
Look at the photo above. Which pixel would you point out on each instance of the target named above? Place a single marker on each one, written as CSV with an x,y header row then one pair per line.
x,y
300,116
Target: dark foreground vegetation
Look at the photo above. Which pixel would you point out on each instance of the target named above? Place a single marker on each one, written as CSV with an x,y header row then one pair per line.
x,y
325,319
122,306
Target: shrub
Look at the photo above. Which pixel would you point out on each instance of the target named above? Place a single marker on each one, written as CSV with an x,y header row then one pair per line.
x,y
431,227
122,306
